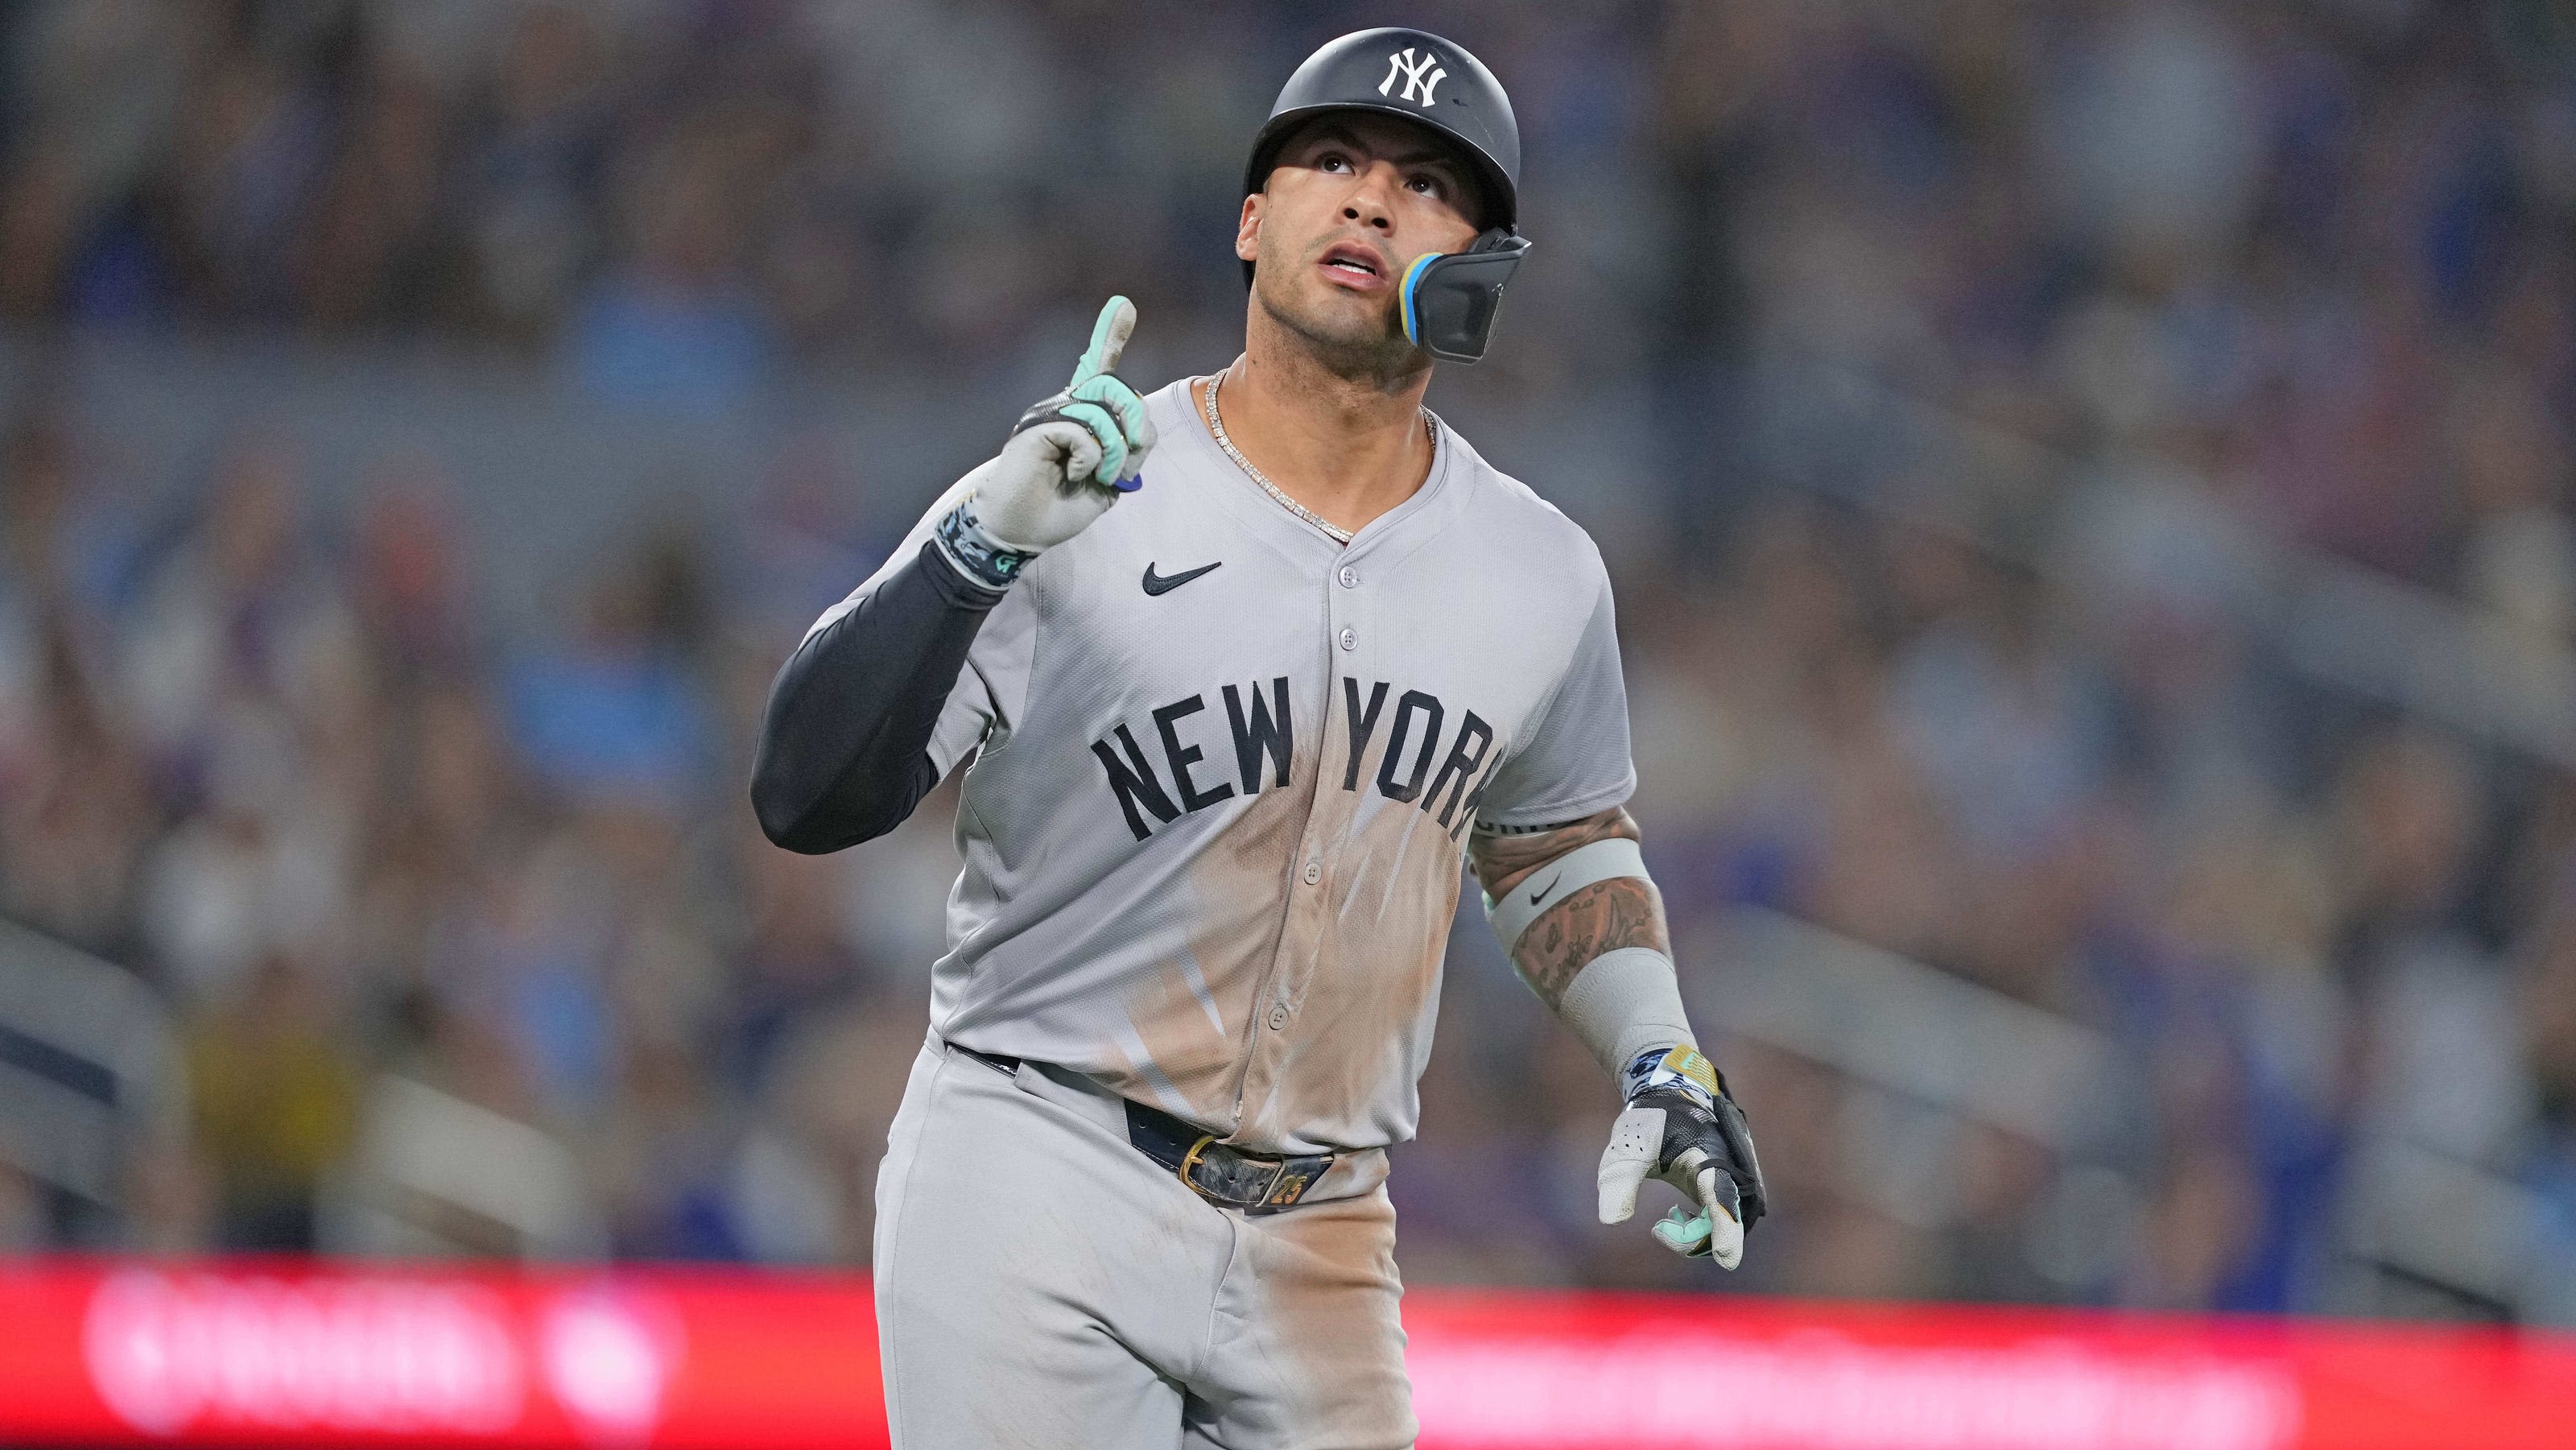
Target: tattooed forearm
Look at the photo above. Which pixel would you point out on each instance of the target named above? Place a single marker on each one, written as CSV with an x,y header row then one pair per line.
x,y
1624,911
1501,861
1603,917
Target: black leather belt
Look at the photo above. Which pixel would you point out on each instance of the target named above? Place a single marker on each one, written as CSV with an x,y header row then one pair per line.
x,y
1229,1177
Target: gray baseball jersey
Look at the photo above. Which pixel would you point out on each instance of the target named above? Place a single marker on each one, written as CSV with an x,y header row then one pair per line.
x,y
1224,768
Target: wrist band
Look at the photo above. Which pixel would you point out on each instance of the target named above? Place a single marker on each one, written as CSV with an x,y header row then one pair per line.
x,y
1679,1068
987,562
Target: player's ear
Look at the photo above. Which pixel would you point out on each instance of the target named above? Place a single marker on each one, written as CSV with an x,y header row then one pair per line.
x,y
1247,228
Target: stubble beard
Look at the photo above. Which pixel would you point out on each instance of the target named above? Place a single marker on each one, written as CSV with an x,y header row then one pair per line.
x,y
1368,351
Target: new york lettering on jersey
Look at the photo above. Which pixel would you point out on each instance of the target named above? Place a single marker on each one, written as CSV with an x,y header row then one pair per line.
x,y
1263,731
1214,822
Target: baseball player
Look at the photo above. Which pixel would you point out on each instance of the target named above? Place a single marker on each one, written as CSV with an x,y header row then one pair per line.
x,y
1231,736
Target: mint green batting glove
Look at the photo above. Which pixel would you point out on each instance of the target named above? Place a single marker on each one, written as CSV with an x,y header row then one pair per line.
x,y
1067,460
1103,405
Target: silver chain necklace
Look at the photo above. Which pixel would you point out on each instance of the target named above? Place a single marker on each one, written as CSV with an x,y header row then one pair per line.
x,y
1216,425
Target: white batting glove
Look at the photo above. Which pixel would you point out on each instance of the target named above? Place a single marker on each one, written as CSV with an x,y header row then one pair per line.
x,y
1681,1127
1071,456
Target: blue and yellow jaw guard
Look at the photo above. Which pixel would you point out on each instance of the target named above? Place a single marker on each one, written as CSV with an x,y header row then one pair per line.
x,y
1449,299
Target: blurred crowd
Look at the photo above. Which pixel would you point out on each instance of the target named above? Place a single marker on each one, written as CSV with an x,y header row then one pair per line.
x,y
2245,280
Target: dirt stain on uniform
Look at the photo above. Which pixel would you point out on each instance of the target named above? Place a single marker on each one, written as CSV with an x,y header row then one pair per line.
x,y
1330,1295
1356,963
1240,883
1191,1041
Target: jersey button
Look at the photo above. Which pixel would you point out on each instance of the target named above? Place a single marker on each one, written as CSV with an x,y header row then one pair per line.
x,y
1350,638
1278,1018
1350,577
1314,872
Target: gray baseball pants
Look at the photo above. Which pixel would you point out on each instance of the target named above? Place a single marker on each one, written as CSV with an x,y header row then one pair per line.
x,y
1042,1285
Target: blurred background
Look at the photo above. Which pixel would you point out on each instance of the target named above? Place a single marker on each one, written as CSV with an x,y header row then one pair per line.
x,y
2086,483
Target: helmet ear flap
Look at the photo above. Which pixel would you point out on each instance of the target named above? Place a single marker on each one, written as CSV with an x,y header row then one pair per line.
x,y
1449,300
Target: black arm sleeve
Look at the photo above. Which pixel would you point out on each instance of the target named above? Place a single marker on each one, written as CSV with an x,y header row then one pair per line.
x,y
843,754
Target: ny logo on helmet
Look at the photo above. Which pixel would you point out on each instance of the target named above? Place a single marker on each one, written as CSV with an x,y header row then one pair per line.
x,y
1403,64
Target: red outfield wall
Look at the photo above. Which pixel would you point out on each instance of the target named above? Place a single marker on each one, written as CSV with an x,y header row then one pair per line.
x,y
284,1352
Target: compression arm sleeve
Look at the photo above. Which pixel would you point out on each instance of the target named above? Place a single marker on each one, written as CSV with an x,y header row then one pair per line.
x,y
1624,1002
1621,1002
843,754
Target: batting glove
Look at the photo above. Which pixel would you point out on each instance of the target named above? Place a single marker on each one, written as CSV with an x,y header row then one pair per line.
x,y
1070,457
1681,1127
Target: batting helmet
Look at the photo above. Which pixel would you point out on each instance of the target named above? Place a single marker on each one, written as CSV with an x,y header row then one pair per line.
x,y
1449,300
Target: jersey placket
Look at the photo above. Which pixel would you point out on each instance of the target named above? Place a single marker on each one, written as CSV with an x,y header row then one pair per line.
x,y
1315,880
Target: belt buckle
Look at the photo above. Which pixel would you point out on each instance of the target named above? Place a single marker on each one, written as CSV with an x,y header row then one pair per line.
x,y
1196,1158
1289,1179
1190,1160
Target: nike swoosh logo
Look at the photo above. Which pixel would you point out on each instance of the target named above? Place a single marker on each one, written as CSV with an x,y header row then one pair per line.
x,y
1166,583
1543,890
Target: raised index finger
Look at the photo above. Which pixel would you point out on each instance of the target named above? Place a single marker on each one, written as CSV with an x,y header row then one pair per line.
x,y
1108,341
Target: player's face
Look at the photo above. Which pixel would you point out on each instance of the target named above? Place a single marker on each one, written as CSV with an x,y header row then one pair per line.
x,y
1354,200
